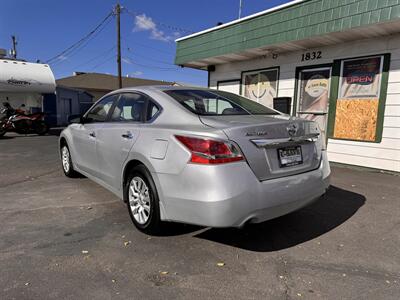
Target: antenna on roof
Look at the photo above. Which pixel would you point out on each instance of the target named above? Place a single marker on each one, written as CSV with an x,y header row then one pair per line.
x,y
13,51
240,8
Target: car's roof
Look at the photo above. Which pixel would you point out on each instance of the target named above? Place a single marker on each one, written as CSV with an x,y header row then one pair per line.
x,y
148,88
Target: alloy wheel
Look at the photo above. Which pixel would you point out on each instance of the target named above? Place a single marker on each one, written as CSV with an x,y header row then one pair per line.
x,y
65,159
139,200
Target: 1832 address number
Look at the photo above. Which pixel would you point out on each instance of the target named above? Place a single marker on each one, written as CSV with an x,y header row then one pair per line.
x,y
311,55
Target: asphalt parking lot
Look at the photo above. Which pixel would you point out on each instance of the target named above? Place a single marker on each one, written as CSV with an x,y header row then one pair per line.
x,y
72,239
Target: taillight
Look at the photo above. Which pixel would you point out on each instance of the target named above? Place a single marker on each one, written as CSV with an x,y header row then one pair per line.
x,y
208,151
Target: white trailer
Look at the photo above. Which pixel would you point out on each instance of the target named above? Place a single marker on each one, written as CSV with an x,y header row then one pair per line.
x,y
24,83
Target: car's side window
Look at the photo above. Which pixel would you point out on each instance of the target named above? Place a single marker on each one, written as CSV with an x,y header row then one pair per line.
x,y
130,108
100,111
212,106
152,110
190,103
216,106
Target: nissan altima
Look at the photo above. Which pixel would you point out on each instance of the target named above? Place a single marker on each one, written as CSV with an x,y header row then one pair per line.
x,y
197,156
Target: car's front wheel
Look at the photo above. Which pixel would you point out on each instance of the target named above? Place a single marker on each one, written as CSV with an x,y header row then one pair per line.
x,y
66,162
142,200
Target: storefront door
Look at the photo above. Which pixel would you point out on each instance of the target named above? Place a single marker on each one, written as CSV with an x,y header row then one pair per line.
x,y
313,95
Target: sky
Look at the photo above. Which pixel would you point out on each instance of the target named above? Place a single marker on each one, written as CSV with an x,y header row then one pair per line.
x,y
45,28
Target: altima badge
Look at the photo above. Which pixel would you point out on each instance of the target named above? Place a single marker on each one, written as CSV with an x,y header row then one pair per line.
x,y
256,133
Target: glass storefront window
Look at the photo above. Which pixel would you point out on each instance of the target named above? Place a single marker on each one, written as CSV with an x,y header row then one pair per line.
x,y
358,99
313,95
261,86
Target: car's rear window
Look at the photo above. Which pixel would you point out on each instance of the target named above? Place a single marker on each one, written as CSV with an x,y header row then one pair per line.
x,y
215,103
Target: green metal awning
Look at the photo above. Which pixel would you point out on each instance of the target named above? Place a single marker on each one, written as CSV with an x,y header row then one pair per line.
x,y
295,26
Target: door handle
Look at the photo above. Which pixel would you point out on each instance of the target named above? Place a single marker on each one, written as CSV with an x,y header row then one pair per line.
x,y
127,135
92,134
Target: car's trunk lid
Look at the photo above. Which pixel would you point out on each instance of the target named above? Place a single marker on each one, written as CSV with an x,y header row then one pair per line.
x,y
262,138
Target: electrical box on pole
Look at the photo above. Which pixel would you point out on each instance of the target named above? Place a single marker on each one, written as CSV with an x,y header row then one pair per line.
x,y
13,52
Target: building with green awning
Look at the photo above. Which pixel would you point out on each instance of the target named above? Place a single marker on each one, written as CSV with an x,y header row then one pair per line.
x,y
336,62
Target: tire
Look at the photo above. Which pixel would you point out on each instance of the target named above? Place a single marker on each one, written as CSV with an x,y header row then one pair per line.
x,y
66,162
41,128
21,127
141,197
2,130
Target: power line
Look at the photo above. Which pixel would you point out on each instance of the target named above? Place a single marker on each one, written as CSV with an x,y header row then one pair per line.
x,y
131,61
172,27
100,55
82,40
149,58
103,62
75,48
82,45
159,68
177,69
148,47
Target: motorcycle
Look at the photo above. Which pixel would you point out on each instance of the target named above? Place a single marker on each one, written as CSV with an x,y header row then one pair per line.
x,y
18,121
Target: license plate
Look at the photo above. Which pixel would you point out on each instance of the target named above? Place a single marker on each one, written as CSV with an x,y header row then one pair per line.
x,y
290,156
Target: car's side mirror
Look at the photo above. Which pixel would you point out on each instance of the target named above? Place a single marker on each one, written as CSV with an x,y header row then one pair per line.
x,y
79,119
75,119
84,120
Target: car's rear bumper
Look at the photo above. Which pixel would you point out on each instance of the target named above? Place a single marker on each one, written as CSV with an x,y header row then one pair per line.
x,y
230,195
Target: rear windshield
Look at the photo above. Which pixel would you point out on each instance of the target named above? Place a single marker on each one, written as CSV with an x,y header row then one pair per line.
x,y
216,103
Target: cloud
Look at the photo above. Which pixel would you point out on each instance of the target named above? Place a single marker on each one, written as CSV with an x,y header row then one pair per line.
x,y
142,22
177,35
137,73
145,23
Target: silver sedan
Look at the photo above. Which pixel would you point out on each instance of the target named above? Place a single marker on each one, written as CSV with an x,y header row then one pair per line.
x,y
196,156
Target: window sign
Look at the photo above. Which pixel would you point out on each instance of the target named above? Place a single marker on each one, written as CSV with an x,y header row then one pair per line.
x,y
358,102
361,78
314,90
313,95
261,86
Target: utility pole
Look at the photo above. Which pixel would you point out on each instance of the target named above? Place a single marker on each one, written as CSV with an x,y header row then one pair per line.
x,y
240,8
14,47
118,12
